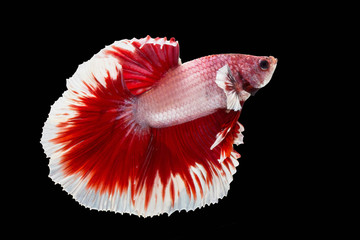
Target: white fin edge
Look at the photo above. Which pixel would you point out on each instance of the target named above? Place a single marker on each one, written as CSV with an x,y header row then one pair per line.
x,y
239,137
122,202
219,137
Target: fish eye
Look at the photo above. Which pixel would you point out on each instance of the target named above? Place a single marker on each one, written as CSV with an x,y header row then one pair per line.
x,y
264,64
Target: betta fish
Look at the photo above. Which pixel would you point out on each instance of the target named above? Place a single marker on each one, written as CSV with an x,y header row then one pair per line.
x,y
139,132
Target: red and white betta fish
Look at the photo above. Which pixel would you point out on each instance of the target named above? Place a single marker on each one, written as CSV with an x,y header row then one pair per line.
x,y
139,132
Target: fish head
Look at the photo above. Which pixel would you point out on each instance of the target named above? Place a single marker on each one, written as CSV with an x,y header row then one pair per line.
x,y
254,72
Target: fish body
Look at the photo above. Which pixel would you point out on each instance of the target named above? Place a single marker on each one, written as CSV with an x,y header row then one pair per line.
x,y
139,132
189,91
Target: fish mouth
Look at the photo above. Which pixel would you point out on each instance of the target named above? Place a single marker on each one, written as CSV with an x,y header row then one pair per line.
x,y
273,60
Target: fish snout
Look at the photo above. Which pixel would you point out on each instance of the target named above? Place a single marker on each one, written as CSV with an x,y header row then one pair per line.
x,y
273,61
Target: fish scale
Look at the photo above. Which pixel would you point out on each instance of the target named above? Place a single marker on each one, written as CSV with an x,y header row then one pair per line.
x,y
185,93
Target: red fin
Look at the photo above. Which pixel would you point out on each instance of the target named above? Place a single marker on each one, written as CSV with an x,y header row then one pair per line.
x,y
228,130
144,60
92,140
234,136
97,142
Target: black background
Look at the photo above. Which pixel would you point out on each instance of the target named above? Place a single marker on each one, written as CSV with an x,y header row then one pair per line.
x,y
269,195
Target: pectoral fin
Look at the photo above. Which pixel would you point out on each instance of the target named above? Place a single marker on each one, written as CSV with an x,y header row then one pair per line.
x,y
226,81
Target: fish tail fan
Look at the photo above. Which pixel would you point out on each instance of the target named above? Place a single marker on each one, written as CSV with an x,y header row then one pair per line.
x,y
92,139
94,143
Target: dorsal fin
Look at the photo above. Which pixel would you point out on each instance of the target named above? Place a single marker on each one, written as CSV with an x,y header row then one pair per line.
x,y
144,60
